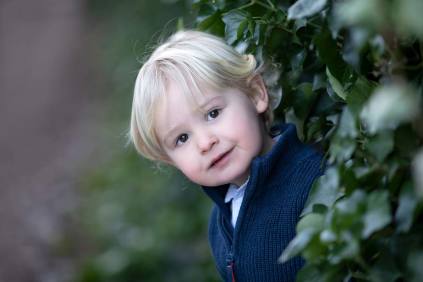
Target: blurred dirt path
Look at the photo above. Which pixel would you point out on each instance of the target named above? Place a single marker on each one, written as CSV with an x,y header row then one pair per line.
x,y
47,131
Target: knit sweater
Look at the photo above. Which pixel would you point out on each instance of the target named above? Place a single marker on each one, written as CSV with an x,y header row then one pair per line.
x,y
275,195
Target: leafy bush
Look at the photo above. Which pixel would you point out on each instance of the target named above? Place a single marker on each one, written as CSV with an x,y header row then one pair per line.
x,y
351,74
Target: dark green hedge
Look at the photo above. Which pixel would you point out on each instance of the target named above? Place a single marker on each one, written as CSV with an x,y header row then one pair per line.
x,y
351,78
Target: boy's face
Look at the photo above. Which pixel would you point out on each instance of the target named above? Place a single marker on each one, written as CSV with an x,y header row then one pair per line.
x,y
214,139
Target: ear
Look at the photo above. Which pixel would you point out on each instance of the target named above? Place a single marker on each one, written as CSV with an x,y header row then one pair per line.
x,y
260,98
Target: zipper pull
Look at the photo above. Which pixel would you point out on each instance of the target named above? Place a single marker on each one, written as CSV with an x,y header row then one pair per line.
x,y
231,266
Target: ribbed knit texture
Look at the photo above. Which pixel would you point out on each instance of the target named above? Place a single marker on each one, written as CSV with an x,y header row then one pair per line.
x,y
274,198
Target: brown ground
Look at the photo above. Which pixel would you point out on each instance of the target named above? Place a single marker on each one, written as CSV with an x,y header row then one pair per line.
x,y
47,131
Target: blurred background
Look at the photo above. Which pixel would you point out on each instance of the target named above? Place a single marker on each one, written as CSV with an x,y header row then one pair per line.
x,y
77,203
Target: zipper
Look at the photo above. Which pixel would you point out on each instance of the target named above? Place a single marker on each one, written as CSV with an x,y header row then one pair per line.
x,y
230,264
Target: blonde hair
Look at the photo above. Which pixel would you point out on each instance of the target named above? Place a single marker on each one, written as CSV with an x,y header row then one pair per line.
x,y
195,61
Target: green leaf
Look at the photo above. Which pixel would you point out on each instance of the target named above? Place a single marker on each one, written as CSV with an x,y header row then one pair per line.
x,y
297,245
348,248
213,24
370,13
259,32
390,106
347,126
304,100
352,205
407,206
305,8
241,29
336,85
325,190
378,213
327,236
234,21
311,220
418,173
381,145
358,94
341,149
329,53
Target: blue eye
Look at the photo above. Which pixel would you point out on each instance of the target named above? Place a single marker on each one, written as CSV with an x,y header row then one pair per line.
x,y
213,114
181,139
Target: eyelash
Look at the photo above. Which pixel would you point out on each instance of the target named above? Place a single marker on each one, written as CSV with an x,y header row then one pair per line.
x,y
178,139
213,111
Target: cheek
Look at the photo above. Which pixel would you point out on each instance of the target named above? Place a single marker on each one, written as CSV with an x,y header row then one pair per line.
x,y
248,131
185,163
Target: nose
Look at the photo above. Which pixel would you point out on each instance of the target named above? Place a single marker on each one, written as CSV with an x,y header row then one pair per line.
x,y
205,141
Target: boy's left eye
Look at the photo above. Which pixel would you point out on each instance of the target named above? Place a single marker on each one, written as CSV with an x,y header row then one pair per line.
x,y
213,114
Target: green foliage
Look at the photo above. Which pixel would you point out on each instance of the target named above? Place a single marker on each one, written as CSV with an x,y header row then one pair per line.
x,y
352,78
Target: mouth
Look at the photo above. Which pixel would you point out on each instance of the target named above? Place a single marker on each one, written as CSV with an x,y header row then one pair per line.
x,y
221,159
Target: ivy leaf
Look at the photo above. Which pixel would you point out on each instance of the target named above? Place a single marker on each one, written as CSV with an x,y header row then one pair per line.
x,y
358,94
297,245
347,216
347,249
352,205
336,85
328,52
305,8
381,145
259,32
406,208
378,213
390,106
234,20
341,149
213,24
347,126
418,173
364,12
324,191
304,100
312,220
300,23
241,29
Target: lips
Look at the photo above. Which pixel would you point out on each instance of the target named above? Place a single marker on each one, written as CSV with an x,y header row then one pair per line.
x,y
220,159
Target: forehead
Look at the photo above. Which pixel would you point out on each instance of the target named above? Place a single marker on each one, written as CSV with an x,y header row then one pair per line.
x,y
182,95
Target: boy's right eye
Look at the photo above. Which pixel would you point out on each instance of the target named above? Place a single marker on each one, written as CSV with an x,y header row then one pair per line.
x,y
181,139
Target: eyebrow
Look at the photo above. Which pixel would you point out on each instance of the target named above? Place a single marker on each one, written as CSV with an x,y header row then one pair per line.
x,y
209,101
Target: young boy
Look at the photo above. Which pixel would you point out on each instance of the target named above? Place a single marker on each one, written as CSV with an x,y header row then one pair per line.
x,y
203,108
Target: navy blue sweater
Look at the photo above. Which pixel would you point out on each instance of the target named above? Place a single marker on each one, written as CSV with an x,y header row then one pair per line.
x,y
274,198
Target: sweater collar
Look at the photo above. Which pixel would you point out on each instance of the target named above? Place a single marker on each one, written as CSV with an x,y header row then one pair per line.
x,y
261,167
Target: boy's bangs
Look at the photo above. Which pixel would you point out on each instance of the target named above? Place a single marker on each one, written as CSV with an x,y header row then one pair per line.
x,y
193,82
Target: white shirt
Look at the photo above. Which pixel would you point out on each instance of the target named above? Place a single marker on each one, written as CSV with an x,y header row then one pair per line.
x,y
236,195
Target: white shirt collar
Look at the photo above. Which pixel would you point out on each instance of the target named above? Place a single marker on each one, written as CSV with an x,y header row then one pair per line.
x,y
235,192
